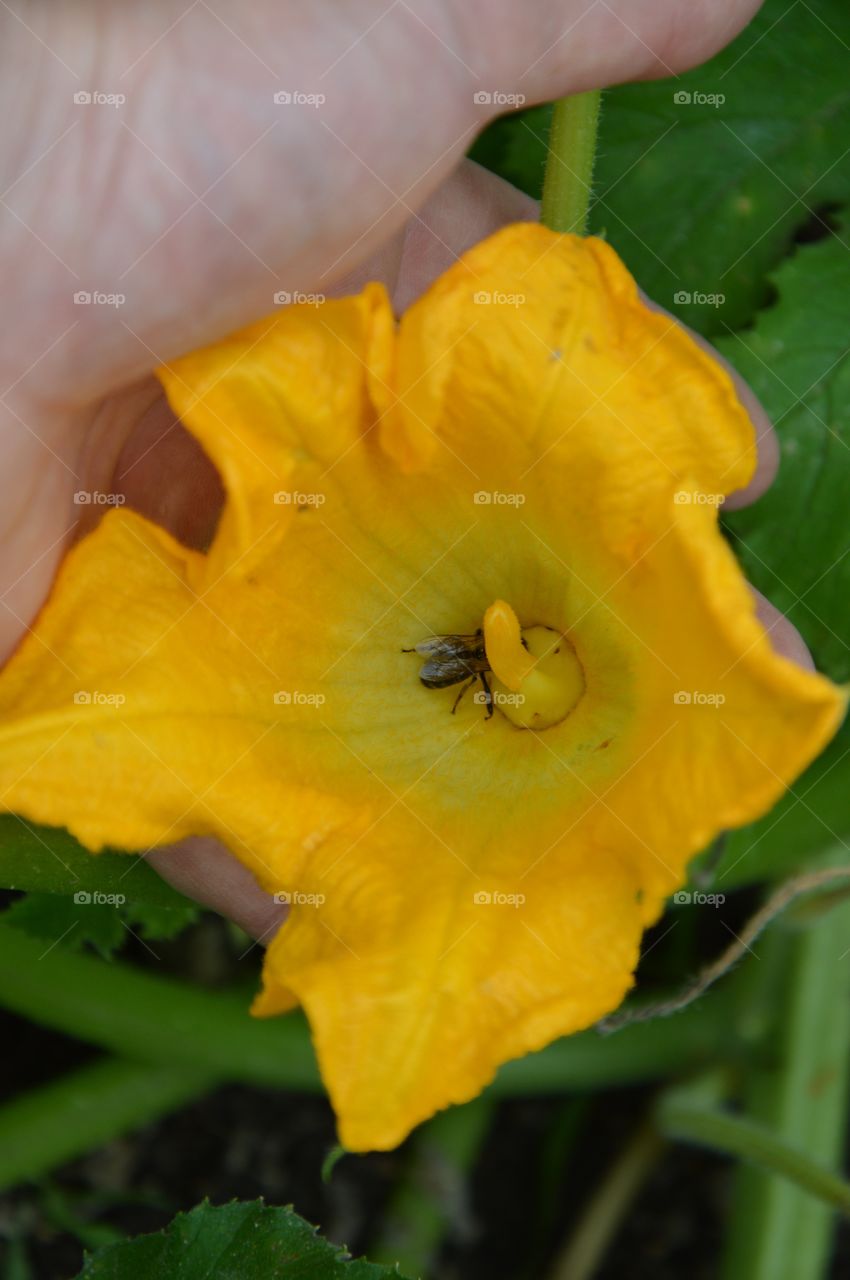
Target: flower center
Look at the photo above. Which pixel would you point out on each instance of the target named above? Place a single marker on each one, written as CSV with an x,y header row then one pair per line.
x,y
537,678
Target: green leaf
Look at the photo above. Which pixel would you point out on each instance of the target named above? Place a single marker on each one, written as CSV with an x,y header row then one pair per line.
x,y
153,922
704,198
50,860
237,1241
515,147
62,921
95,917
794,543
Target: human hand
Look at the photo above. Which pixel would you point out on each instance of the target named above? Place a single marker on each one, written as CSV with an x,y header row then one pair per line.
x,y
180,208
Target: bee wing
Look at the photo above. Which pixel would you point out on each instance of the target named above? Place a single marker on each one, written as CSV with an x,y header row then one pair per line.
x,y
447,647
441,672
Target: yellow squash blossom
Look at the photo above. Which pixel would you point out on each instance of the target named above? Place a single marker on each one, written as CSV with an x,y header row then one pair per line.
x,y
532,461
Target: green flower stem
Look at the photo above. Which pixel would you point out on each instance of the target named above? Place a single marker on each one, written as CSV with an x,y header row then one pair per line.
x,y
430,1197
154,1019
799,1093
737,1136
583,1255
47,1126
568,180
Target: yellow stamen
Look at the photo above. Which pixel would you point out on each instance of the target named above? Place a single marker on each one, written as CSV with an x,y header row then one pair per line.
x,y
536,678
509,659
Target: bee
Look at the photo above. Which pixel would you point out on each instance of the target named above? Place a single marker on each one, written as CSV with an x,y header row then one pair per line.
x,y
453,659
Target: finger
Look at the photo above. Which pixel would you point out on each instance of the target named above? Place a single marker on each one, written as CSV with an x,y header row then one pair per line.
x,y
471,204
244,196
556,48
767,444
206,872
784,636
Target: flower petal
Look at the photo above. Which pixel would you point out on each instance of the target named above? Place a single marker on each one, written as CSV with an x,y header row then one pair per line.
x,y
726,723
167,729
276,406
562,367
453,975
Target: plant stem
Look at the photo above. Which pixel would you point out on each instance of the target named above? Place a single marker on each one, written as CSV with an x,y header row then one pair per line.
x,y
778,1232
431,1196
153,1019
601,1219
568,181
736,1136
47,1126
781,898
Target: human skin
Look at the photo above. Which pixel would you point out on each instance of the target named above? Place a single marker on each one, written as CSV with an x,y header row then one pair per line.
x,y
200,197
